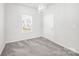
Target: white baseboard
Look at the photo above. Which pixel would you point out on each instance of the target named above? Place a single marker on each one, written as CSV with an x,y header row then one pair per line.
x,y
70,48
2,48
22,39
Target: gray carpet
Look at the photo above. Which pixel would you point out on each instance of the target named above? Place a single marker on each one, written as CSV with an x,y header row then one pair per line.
x,y
36,47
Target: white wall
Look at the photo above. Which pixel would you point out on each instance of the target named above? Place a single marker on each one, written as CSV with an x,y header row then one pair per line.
x,y
65,30
48,25
2,41
66,25
13,23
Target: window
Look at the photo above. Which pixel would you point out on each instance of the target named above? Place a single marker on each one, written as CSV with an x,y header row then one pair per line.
x,y
26,23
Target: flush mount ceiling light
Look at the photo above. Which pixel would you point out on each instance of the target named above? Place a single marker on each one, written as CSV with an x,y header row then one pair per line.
x,y
41,8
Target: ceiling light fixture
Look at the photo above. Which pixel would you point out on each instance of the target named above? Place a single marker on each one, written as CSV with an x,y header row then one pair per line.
x,y
41,8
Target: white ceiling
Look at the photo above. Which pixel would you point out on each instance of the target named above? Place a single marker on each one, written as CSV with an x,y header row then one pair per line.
x,y
35,5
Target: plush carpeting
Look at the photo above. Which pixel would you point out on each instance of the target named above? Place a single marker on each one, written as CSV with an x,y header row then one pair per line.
x,y
36,47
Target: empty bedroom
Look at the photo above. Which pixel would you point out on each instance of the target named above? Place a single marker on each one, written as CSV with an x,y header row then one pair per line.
x,y
39,29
